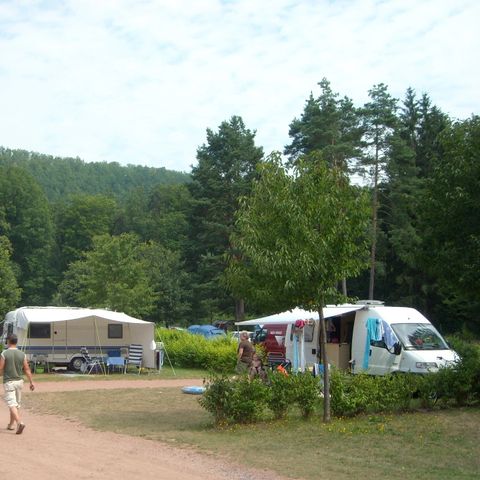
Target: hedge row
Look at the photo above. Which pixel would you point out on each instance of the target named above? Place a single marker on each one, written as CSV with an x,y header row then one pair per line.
x,y
187,350
242,400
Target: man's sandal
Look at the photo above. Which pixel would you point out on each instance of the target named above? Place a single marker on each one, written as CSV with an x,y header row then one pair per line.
x,y
20,428
9,427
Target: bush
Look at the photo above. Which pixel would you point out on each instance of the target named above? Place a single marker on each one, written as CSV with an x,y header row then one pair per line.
x,y
306,389
458,383
282,393
217,398
248,401
194,351
355,394
231,400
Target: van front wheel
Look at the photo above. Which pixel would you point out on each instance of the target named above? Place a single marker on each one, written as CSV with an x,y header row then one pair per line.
x,y
76,364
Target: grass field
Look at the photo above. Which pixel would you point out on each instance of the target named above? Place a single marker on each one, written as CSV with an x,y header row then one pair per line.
x,y
165,373
425,445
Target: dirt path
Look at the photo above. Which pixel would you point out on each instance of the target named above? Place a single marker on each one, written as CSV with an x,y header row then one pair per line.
x,y
53,447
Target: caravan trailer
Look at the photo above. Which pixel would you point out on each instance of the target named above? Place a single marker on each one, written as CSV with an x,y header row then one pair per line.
x,y
57,334
364,338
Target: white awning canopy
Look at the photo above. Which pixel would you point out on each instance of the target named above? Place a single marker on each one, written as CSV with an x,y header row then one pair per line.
x,y
25,315
291,316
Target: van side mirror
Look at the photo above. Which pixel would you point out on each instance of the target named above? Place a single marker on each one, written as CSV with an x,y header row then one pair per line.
x,y
397,348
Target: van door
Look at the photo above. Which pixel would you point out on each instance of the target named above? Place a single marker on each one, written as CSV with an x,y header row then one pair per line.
x,y
59,342
381,360
311,343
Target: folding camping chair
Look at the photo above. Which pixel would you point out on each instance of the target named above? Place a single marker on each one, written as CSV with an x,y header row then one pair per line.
x,y
91,363
135,357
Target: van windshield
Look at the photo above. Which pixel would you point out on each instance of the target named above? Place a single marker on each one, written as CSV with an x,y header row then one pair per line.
x,y
419,336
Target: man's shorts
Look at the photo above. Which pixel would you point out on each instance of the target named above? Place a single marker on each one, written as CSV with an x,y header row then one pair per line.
x,y
13,393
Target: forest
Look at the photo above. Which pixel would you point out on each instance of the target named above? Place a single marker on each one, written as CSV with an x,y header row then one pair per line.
x,y
398,176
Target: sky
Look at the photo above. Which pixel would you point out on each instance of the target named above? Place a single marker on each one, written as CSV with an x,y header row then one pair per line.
x,y
139,81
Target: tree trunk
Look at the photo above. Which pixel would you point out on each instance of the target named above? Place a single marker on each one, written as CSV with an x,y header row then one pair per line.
x,y
239,310
326,373
373,251
344,286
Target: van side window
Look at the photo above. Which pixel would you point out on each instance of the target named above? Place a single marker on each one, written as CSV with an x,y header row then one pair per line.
x,y
115,330
39,330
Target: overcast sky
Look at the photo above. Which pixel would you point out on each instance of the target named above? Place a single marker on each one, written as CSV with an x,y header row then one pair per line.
x,y
139,81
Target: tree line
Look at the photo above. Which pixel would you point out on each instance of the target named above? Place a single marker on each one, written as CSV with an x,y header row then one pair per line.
x,y
172,247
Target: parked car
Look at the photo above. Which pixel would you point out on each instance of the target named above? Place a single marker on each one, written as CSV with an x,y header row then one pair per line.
x,y
208,331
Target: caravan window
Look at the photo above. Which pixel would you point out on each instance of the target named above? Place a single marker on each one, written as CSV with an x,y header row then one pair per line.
x,y
115,330
308,333
39,330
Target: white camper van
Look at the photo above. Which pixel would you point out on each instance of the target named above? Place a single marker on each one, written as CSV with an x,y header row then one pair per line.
x,y
367,337
57,334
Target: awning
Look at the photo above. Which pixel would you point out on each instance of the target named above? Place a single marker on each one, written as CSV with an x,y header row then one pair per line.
x,y
291,316
26,315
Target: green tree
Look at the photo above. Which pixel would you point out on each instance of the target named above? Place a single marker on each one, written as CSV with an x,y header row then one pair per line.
x,y
79,219
27,223
226,167
170,281
114,275
328,124
452,224
299,235
9,291
169,208
379,121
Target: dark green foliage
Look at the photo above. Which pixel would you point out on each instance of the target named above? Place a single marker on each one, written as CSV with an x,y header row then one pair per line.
x,y
78,220
225,171
328,125
9,291
26,220
451,221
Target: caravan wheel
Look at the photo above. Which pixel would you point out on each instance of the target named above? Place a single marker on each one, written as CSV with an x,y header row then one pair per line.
x,y
76,364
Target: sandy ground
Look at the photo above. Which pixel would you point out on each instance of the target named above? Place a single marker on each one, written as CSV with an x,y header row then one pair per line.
x,y
52,447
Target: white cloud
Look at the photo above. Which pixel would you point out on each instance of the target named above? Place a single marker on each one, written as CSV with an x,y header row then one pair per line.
x,y
139,81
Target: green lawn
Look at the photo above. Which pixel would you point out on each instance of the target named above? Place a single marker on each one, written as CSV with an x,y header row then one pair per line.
x,y
425,445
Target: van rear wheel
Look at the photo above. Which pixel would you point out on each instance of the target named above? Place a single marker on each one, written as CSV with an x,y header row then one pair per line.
x,y
76,364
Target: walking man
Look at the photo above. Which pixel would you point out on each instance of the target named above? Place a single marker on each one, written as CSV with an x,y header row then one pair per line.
x,y
13,363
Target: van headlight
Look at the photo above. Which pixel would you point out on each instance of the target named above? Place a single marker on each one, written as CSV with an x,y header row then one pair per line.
x,y
425,365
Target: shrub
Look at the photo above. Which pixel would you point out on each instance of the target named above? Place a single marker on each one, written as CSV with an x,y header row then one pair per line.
x,y
234,400
354,394
248,401
281,393
459,382
194,351
217,398
306,390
